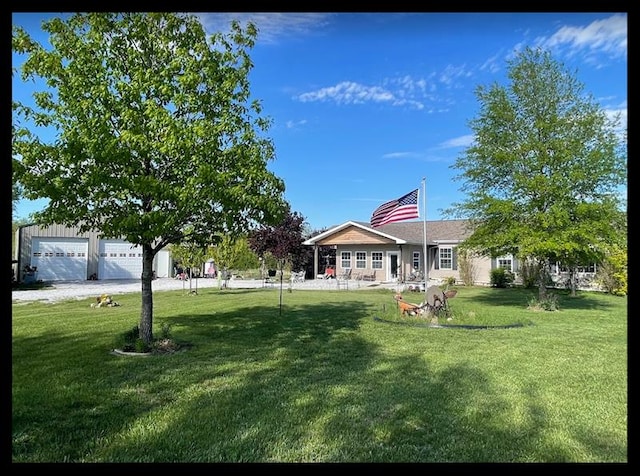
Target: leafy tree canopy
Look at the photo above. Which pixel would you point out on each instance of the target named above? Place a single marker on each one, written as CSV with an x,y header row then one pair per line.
x,y
153,133
156,139
283,241
543,175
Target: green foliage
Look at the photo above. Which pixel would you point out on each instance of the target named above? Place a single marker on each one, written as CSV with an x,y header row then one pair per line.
x,y
530,272
612,272
130,341
466,267
165,332
450,281
542,177
233,253
154,136
548,303
501,278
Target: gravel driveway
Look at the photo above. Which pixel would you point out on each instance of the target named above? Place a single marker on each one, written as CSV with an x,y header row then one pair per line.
x,y
65,290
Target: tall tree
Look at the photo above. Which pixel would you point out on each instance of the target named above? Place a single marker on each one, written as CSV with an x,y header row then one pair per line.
x,y
543,173
156,139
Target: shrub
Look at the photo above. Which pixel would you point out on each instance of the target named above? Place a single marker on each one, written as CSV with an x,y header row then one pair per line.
x,y
450,281
130,341
466,267
612,273
548,303
501,278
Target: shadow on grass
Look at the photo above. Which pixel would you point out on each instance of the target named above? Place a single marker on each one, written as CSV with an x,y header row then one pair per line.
x,y
427,324
519,298
260,387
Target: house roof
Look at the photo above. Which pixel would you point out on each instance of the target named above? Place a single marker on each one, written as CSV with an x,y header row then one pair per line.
x,y
408,232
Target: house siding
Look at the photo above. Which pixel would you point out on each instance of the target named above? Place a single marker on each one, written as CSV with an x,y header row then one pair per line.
x,y
404,239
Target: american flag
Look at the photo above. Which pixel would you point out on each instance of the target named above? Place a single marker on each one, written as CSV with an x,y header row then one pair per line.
x,y
404,208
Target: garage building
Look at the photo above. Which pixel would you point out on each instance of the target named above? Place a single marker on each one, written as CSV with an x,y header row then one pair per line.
x,y
62,253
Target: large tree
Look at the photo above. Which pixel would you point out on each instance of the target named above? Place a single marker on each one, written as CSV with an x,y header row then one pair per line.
x,y
543,175
156,139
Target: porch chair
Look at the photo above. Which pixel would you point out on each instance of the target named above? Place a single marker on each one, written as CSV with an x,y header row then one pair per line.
x,y
342,281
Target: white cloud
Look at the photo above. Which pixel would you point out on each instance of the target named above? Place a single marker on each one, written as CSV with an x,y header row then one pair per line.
x,y
462,141
607,36
295,124
272,26
400,155
348,92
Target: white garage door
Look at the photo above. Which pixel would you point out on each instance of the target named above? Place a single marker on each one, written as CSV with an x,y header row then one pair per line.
x,y
119,260
60,259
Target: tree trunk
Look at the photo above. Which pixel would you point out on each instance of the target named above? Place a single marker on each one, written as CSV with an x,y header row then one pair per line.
x,y
146,314
281,274
573,280
542,277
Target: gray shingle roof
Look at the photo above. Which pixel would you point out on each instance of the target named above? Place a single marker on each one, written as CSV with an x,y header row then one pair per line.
x,y
437,230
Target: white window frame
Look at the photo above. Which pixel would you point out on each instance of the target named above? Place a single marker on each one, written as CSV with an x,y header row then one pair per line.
x,y
416,261
445,259
501,262
361,259
345,259
377,263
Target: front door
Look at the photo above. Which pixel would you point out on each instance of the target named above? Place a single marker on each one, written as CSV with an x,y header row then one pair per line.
x,y
393,258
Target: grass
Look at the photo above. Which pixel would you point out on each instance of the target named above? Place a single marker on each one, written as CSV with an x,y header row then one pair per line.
x,y
323,381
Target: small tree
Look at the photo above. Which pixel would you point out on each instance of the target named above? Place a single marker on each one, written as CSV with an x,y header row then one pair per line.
x,y
227,253
281,241
191,255
155,139
466,267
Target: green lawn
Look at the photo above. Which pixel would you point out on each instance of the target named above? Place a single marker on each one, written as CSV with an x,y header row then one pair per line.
x,y
324,381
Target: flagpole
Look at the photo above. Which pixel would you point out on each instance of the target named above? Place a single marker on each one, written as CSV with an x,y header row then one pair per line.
x,y
424,237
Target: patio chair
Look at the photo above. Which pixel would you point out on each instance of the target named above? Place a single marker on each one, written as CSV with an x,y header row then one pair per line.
x,y
342,281
270,279
298,277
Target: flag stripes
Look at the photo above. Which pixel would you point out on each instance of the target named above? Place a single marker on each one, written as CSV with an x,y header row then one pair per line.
x,y
404,208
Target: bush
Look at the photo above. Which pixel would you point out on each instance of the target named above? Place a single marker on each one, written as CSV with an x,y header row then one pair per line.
x,y
501,278
130,341
466,267
612,273
450,281
548,303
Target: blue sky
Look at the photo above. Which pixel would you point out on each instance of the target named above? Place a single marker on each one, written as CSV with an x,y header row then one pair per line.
x,y
364,105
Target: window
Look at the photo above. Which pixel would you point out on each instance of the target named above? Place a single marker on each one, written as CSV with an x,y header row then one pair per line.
x,y
361,260
587,269
415,260
345,259
445,258
557,268
376,260
505,262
